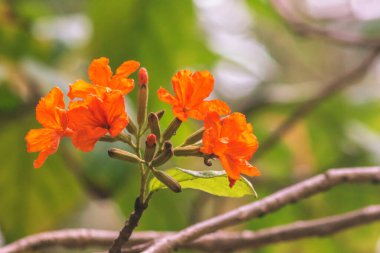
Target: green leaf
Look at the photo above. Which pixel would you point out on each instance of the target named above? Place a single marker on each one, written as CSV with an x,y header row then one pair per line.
x,y
210,181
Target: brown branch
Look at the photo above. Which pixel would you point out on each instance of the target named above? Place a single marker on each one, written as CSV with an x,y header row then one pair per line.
x,y
284,9
66,238
77,238
298,230
129,226
213,242
267,205
327,91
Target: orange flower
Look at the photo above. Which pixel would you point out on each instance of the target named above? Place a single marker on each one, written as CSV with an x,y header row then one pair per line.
x,y
51,114
103,80
190,92
232,140
96,117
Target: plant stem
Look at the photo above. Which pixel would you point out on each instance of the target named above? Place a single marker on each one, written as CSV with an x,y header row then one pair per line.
x,y
140,204
129,226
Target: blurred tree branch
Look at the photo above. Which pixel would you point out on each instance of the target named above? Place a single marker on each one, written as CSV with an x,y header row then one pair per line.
x,y
285,10
93,189
228,240
291,194
327,91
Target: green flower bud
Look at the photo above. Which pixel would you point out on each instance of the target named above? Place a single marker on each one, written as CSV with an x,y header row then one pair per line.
x,y
164,156
124,155
167,180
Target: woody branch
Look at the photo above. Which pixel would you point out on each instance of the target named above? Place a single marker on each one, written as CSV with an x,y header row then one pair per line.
x,y
291,194
334,86
294,20
229,241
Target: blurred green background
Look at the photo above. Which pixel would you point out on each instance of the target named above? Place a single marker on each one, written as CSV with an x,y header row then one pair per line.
x,y
262,68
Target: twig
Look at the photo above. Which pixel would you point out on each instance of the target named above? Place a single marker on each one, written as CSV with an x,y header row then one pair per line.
x,y
129,226
212,242
267,205
284,9
327,91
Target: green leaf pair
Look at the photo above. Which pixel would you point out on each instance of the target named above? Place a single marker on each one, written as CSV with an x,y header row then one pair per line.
x,y
210,181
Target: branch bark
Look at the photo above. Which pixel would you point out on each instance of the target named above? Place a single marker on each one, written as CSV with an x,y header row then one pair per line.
x,y
327,91
80,238
126,232
284,9
268,204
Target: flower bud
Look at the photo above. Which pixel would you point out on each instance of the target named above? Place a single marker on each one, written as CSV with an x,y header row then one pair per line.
x,y
150,147
131,127
167,180
164,156
188,151
154,125
172,129
124,137
107,138
143,77
151,140
142,97
160,114
195,137
124,155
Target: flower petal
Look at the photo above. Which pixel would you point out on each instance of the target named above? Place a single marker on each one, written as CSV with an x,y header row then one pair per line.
x,y
183,86
100,72
114,108
43,140
199,112
211,134
123,85
77,103
127,68
230,166
234,125
86,138
166,97
50,111
80,89
248,169
89,114
203,84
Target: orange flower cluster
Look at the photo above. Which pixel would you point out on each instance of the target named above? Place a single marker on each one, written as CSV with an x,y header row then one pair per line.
x,y
231,139
99,110
190,93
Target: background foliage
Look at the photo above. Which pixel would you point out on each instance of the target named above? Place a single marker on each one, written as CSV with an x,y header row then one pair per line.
x,y
262,68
